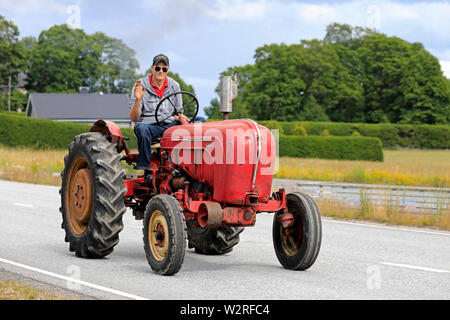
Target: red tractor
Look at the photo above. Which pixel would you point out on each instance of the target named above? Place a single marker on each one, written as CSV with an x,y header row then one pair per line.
x,y
207,182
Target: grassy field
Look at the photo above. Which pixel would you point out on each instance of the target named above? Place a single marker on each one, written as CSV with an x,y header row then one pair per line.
x,y
13,290
34,166
384,214
429,168
425,168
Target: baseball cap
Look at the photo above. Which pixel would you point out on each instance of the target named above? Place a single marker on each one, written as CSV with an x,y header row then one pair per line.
x,y
160,57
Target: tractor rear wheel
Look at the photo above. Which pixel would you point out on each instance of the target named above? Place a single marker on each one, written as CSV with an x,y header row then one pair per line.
x,y
213,241
164,234
297,247
92,196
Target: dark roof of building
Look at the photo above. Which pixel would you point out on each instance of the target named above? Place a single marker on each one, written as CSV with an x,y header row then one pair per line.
x,y
58,106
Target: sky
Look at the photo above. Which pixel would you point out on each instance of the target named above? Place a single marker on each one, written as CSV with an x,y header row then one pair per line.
x,y
202,38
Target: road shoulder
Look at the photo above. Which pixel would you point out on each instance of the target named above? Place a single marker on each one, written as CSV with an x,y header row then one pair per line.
x,y
48,289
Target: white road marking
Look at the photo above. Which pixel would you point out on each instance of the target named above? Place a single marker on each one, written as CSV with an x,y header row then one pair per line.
x,y
84,283
388,228
400,265
23,205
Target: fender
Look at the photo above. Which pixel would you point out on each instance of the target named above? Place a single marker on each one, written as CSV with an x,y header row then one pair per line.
x,y
111,130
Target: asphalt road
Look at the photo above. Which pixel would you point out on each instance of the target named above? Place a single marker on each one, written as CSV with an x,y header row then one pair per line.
x,y
356,261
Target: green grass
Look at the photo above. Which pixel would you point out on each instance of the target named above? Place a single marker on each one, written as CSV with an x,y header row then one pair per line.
x,y
13,290
383,214
410,167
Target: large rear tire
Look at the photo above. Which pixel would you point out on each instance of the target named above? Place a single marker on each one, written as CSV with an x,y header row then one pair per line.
x,y
297,247
213,241
92,193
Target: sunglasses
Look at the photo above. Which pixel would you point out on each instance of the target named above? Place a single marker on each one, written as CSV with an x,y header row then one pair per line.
x,y
164,69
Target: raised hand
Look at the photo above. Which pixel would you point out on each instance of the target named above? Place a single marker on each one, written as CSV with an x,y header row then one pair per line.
x,y
182,118
139,90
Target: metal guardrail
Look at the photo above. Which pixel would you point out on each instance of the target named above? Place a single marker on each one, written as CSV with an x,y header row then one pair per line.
x,y
403,198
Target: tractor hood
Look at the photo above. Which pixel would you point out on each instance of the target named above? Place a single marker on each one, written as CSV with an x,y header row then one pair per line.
x,y
236,158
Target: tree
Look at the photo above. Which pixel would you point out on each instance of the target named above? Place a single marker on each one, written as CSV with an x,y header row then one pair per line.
x,y
354,75
213,110
189,106
346,34
275,88
18,100
62,60
350,110
339,33
239,108
299,82
12,59
11,52
335,89
424,91
28,44
402,82
118,65
312,111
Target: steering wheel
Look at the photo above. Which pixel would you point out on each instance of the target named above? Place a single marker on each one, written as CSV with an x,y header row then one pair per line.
x,y
189,101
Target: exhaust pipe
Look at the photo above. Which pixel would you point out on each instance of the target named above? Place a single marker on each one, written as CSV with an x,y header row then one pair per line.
x,y
210,215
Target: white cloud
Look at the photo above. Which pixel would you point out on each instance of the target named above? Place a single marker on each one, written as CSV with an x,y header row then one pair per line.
x,y
175,57
233,9
316,13
424,16
31,17
202,82
398,11
444,54
445,65
24,7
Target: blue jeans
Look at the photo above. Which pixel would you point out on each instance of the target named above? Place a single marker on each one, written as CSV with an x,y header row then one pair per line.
x,y
145,133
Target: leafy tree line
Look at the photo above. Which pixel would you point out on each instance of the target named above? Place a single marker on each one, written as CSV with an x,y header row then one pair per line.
x,y
62,59
353,75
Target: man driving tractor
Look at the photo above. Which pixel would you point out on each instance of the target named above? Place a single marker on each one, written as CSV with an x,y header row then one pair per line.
x,y
182,204
145,96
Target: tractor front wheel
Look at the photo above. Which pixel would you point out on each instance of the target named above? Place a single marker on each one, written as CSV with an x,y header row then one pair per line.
x,y
298,245
92,196
164,234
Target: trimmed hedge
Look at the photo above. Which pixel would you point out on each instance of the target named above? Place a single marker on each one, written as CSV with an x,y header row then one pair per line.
x,y
338,148
391,135
19,131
